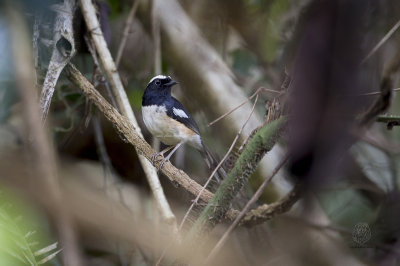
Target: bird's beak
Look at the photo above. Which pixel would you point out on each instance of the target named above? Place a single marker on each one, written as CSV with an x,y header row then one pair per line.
x,y
171,83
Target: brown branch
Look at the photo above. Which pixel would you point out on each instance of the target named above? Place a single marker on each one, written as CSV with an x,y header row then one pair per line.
x,y
121,123
127,130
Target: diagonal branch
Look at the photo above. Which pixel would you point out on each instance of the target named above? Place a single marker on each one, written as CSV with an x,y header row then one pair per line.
x,y
128,131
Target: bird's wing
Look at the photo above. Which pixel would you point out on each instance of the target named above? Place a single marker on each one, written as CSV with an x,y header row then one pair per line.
x,y
176,110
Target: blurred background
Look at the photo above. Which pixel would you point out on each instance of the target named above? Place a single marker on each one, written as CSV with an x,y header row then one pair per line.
x,y
78,195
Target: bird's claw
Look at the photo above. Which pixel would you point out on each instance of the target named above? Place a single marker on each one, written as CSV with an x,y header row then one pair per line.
x,y
162,163
154,157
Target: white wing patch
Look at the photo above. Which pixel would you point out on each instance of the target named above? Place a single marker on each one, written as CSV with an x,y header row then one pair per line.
x,y
159,77
179,112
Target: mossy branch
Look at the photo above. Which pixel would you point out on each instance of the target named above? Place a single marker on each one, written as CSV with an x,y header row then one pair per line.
x,y
259,144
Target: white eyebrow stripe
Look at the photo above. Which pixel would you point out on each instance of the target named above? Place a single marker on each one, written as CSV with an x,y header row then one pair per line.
x,y
179,112
159,77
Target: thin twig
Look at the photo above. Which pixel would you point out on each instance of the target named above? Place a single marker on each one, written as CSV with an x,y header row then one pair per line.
x,y
382,41
110,69
125,34
242,103
253,199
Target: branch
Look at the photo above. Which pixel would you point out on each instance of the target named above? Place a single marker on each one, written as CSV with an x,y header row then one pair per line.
x,y
258,145
63,51
110,69
176,176
128,131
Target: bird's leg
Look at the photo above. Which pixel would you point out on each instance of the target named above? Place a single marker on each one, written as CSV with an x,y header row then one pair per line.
x,y
155,155
169,155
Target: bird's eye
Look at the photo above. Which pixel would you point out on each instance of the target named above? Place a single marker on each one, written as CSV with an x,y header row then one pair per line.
x,y
158,82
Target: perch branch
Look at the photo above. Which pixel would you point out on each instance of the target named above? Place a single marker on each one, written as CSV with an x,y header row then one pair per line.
x,y
63,51
175,175
110,69
127,130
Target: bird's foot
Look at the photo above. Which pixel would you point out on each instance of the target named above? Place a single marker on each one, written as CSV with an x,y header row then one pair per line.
x,y
162,163
154,157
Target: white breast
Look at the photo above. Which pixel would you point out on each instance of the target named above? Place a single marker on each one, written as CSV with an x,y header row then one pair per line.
x,y
166,129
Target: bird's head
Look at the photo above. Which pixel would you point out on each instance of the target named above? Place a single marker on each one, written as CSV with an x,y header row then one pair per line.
x,y
161,84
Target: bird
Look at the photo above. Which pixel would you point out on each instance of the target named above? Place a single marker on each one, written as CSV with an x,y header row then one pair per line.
x,y
167,120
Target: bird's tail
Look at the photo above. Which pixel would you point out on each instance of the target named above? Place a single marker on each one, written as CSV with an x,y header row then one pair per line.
x,y
212,163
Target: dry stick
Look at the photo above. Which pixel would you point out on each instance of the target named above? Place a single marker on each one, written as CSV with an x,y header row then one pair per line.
x,y
382,41
253,199
241,104
41,153
125,34
89,14
63,51
195,201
